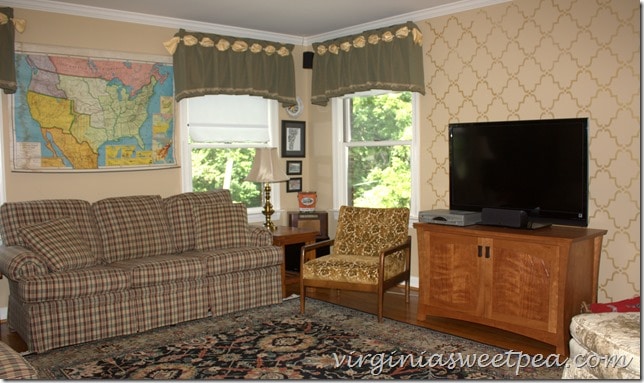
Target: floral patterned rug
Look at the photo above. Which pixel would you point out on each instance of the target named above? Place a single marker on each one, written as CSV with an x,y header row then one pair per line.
x,y
276,342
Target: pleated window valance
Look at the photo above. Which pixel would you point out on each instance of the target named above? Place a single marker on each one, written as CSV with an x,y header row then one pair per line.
x,y
213,64
387,58
8,26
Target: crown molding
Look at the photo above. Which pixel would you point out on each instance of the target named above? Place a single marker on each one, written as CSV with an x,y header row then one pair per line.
x,y
425,14
169,22
141,18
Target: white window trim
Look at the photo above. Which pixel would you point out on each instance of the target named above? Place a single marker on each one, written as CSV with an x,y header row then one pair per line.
x,y
340,157
6,100
254,214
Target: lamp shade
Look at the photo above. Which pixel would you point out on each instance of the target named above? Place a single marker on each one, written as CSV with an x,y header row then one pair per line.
x,y
266,167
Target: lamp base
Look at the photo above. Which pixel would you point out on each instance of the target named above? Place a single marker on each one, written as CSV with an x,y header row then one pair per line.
x,y
268,208
270,225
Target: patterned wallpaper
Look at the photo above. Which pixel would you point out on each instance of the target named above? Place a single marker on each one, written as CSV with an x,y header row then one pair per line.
x,y
537,59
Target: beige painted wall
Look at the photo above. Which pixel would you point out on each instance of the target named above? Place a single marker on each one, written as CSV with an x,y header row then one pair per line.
x,y
519,60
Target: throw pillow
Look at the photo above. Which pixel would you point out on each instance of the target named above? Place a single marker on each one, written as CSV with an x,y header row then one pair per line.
x,y
59,243
133,227
220,226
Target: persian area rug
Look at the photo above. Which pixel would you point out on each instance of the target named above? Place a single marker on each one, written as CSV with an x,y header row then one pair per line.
x,y
276,342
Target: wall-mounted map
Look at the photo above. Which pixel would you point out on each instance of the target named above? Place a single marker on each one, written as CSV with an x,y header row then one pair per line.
x,y
76,113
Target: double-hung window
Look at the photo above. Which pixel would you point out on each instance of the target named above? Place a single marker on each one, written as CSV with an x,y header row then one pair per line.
x,y
219,137
375,149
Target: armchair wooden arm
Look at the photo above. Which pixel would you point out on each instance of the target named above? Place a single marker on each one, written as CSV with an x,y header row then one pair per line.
x,y
309,248
404,277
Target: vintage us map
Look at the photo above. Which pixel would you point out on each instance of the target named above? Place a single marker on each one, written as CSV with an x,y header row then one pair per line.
x,y
81,113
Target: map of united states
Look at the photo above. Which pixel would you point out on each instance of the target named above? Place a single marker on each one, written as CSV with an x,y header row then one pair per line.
x,y
79,113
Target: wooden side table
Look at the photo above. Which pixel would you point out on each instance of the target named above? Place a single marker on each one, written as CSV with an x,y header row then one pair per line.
x,y
285,235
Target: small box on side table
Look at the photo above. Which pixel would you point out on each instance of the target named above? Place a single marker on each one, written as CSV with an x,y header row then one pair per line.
x,y
314,220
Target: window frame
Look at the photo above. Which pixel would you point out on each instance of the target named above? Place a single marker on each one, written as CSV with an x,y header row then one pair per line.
x,y
341,153
254,213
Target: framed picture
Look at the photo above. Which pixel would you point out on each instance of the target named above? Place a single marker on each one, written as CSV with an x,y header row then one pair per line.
x,y
293,143
293,168
294,185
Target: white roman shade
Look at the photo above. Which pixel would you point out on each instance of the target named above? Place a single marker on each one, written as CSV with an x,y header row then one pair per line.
x,y
228,119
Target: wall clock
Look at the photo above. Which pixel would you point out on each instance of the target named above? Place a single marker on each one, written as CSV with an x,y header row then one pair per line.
x,y
295,110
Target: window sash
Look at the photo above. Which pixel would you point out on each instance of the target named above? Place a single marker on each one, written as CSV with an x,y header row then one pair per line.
x,y
340,152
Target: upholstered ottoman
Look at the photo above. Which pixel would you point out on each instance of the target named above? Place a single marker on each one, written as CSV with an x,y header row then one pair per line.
x,y
13,365
604,346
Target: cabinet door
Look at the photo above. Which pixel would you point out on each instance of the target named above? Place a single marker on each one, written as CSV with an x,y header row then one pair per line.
x,y
524,282
455,276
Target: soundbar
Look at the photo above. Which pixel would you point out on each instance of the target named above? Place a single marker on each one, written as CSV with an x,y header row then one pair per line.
x,y
508,218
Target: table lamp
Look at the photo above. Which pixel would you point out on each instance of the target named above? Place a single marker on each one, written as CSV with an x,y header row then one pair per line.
x,y
267,169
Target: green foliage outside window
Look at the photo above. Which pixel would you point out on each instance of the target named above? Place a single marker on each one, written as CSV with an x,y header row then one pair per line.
x,y
211,168
380,176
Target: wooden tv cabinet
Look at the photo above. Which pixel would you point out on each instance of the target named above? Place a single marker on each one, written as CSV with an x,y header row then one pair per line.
x,y
527,282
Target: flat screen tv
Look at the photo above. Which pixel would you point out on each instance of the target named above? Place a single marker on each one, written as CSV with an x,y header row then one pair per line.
x,y
538,166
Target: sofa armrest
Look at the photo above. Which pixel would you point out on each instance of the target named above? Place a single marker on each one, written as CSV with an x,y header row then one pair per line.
x,y
13,365
17,262
259,236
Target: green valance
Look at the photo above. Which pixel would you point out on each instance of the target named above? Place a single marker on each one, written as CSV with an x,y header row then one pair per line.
x,y
8,25
387,58
213,64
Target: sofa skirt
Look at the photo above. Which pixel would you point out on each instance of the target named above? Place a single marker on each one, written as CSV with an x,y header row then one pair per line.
x,y
245,289
47,325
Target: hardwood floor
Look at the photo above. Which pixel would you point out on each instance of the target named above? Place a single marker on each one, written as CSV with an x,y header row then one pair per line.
x,y
11,338
394,308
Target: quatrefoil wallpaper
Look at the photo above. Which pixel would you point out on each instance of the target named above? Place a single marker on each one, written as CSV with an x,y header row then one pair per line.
x,y
539,59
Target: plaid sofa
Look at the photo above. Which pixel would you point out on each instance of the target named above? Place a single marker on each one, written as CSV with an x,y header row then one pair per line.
x,y
81,271
13,365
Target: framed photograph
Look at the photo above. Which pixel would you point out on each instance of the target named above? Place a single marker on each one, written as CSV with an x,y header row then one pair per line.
x,y
293,143
293,168
294,185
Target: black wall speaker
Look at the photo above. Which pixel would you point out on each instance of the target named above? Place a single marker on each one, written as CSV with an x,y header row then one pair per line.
x,y
504,217
307,60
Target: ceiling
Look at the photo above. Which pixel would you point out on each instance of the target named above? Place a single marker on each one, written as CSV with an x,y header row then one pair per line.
x,y
295,21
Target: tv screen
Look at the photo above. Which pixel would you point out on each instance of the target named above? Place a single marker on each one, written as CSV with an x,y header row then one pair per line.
x,y
538,166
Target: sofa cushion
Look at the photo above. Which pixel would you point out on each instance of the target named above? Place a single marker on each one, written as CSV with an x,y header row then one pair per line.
x,y
73,284
14,215
227,261
220,226
133,227
59,244
161,269
181,216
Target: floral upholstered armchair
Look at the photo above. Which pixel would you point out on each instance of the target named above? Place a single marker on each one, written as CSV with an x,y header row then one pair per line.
x,y
605,341
371,252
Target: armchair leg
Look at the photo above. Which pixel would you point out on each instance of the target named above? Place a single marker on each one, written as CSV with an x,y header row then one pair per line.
x,y
381,300
302,296
407,288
